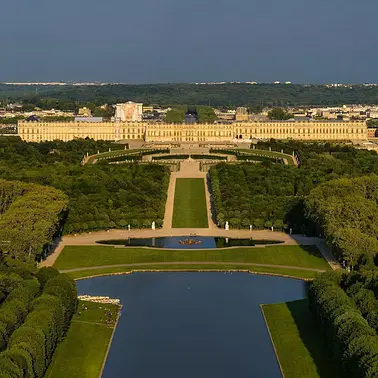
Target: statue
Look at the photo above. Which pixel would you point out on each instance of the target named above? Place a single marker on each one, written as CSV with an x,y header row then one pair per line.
x,y
226,227
129,227
250,227
153,225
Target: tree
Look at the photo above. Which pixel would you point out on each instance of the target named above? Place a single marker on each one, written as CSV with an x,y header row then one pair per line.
x,y
278,223
256,109
206,114
268,224
279,114
175,115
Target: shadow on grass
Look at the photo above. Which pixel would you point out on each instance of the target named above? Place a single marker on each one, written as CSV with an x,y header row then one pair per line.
x,y
312,250
312,337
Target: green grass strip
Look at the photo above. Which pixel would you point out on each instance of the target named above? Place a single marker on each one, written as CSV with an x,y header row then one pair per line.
x,y
294,273
298,342
190,209
289,255
81,354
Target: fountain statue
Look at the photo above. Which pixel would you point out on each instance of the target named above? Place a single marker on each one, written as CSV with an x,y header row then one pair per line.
x,y
189,241
226,226
153,225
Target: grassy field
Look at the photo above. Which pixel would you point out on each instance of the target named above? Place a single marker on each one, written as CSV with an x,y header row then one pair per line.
x,y
82,353
295,273
298,342
190,204
289,255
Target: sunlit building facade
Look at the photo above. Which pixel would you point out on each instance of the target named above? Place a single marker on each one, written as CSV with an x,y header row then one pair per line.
x,y
37,131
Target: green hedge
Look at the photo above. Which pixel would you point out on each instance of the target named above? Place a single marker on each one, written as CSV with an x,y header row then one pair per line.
x,y
350,338
32,344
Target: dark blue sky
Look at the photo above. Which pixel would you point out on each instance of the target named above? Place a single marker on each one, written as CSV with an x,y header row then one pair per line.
x,y
149,41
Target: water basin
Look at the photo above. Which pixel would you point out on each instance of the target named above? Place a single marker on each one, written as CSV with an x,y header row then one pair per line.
x,y
187,242
187,325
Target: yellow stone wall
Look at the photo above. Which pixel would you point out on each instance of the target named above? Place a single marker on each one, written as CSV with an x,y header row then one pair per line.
x,y
163,132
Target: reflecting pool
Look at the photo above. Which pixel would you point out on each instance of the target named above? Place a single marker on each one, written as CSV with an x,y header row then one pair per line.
x,y
189,325
187,242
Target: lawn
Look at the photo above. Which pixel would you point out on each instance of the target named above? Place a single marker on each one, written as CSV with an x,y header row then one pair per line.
x,y
81,354
295,273
289,255
298,341
190,210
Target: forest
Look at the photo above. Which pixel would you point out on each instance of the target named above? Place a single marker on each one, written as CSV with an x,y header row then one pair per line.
x,y
30,217
101,196
346,212
226,95
36,307
346,308
326,195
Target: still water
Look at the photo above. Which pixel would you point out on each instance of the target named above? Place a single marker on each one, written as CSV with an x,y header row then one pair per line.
x,y
188,325
187,242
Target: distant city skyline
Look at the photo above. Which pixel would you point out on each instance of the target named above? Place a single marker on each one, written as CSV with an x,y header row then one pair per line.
x,y
168,41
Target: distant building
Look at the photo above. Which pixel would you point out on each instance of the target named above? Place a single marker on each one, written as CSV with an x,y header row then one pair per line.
x,y
38,131
191,116
372,132
84,112
241,114
33,118
228,115
129,111
89,119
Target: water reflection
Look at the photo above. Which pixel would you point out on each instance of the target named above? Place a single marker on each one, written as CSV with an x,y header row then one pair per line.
x,y
189,325
187,242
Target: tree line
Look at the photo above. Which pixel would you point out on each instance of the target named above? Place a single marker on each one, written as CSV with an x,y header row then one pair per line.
x,y
269,195
346,212
345,307
177,114
34,317
101,196
226,95
31,215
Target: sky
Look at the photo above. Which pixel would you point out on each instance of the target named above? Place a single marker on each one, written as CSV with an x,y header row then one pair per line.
x,y
161,41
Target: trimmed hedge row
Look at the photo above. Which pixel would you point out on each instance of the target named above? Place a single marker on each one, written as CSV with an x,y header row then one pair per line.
x,y
350,338
32,345
15,309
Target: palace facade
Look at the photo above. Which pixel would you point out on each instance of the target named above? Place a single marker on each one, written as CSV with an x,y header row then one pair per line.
x,y
36,131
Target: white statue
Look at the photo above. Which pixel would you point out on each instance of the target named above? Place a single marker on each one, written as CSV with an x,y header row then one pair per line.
x,y
250,227
129,227
226,226
153,225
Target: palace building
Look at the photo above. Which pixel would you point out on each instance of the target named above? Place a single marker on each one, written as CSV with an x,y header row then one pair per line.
x,y
39,131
